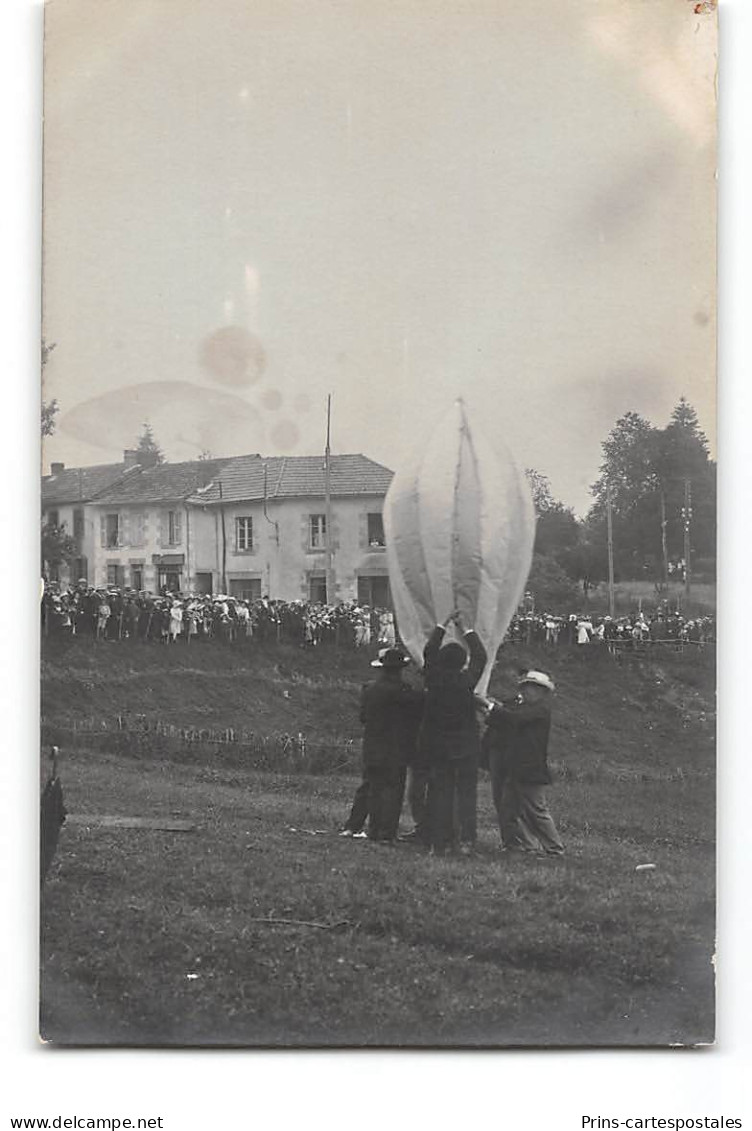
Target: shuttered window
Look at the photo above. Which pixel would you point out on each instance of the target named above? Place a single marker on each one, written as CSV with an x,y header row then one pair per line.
x,y
174,528
317,531
243,533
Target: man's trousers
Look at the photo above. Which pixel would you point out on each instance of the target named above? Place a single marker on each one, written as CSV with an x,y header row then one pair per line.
x,y
525,821
452,801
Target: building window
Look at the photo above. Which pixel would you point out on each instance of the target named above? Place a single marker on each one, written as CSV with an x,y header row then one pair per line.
x,y
78,523
114,575
243,533
137,577
112,531
245,588
138,529
174,528
376,530
53,518
317,531
374,592
169,580
317,588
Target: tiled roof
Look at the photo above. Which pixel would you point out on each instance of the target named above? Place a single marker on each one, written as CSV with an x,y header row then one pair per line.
x,y
167,482
242,479
80,484
289,477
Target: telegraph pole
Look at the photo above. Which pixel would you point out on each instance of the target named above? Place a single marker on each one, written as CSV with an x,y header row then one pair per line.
x,y
664,543
687,516
610,529
328,504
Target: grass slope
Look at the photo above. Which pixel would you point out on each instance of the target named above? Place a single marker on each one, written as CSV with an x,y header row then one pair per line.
x,y
409,950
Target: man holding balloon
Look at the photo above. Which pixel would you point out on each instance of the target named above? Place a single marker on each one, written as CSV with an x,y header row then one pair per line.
x,y
450,735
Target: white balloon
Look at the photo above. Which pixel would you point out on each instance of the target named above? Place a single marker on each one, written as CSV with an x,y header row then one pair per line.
x,y
460,525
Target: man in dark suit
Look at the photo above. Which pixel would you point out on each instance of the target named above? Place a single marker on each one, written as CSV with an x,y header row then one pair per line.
x,y
517,741
390,710
450,737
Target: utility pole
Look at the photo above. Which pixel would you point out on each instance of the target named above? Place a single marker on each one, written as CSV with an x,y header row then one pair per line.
x,y
687,516
328,504
224,540
610,529
664,543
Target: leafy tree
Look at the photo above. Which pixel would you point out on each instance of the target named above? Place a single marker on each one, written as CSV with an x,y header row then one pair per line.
x,y
49,408
557,531
49,412
58,548
646,469
551,587
540,486
149,452
626,466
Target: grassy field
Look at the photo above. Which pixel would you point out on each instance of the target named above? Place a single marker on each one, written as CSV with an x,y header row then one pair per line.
x,y
262,927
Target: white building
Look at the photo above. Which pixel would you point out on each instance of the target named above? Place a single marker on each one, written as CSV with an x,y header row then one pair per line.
x,y
247,526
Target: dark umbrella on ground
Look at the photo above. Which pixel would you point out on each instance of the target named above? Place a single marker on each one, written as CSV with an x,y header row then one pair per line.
x,y
52,815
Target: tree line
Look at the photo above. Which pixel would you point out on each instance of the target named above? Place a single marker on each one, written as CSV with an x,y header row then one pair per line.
x,y
661,483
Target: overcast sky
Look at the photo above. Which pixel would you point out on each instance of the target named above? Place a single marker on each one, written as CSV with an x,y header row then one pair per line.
x,y
251,204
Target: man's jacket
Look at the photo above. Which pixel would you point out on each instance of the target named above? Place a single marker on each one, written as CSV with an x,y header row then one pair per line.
x,y
390,711
450,724
520,733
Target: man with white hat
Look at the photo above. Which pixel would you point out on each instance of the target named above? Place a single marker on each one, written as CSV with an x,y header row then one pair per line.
x,y
518,742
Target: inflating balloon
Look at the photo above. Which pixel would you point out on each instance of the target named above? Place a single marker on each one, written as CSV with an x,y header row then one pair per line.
x,y
460,526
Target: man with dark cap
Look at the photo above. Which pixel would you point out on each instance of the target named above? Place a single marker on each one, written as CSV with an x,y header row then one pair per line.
x,y
389,710
450,738
518,735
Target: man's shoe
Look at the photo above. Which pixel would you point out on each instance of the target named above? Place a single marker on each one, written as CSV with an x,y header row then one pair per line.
x,y
346,832
360,836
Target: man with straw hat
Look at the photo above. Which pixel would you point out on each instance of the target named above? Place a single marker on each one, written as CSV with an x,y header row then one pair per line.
x,y
518,734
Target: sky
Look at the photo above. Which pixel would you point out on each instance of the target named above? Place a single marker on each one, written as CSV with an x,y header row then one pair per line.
x,y
252,205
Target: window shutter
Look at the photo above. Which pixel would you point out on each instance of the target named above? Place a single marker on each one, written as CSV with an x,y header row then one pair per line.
x,y
178,527
250,533
124,529
305,527
103,531
363,530
162,531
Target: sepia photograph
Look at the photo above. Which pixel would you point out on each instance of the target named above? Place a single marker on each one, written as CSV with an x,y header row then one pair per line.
x,y
378,524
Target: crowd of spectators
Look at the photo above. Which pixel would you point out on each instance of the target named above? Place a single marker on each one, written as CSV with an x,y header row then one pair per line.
x,y
663,626
171,618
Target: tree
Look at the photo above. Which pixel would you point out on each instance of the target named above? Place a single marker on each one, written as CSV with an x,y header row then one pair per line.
x,y
550,585
149,452
58,548
626,466
49,408
647,469
49,412
540,486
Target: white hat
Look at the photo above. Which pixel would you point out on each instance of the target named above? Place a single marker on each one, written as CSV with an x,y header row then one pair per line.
x,y
538,678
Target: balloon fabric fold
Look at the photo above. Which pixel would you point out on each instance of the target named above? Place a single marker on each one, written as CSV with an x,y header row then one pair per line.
x,y
460,526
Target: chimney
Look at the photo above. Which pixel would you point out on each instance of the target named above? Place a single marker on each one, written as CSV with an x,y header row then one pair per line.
x,y
56,468
130,457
